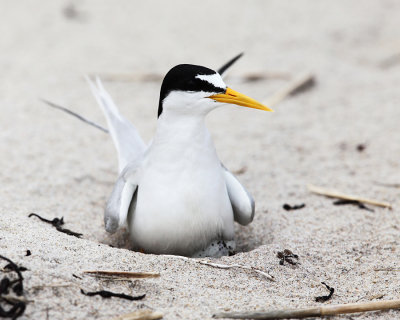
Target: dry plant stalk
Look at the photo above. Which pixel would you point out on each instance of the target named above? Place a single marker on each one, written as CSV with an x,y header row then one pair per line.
x,y
54,285
225,266
387,269
335,194
122,274
140,315
240,266
298,85
389,185
313,312
15,299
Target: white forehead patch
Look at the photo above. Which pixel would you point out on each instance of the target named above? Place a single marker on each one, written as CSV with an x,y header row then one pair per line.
x,y
214,79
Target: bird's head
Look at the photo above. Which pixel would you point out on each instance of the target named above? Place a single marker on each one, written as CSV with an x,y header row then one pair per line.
x,y
191,89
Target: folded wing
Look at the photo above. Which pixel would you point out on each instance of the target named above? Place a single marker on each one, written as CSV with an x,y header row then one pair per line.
x,y
241,200
117,208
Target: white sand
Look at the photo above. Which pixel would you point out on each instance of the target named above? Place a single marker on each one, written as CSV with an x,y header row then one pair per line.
x,y
56,166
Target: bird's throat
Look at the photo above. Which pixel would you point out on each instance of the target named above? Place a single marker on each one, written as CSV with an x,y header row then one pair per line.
x,y
182,131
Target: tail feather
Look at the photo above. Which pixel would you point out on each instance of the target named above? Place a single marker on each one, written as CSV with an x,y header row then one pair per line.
x,y
130,146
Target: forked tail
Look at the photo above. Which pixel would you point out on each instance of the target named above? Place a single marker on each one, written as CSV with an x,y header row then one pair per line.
x,y
130,146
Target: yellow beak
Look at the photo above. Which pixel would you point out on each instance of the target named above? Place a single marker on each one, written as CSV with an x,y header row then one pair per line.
x,y
234,97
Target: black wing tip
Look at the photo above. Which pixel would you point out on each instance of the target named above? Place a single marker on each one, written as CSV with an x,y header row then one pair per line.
x,y
74,114
227,65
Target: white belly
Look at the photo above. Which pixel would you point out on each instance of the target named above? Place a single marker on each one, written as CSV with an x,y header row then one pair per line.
x,y
182,205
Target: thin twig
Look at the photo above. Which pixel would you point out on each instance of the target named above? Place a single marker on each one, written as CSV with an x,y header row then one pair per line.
x,y
298,85
122,274
335,194
389,185
225,266
376,296
140,315
387,269
313,312
54,285
15,299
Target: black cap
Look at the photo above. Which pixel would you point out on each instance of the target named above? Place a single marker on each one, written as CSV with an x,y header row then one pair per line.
x,y
183,77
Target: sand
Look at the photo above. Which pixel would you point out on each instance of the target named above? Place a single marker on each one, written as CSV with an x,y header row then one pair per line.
x,y
57,166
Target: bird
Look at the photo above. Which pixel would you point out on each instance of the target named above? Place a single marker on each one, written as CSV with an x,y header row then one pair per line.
x,y
174,193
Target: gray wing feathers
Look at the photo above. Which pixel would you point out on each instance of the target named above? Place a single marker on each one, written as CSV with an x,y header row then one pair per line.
x,y
117,206
242,202
127,140
118,203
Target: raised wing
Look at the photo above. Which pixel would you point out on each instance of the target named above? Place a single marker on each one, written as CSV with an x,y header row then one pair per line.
x,y
130,146
241,200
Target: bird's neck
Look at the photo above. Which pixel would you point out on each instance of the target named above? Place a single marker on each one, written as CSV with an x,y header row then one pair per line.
x,y
182,145
182,129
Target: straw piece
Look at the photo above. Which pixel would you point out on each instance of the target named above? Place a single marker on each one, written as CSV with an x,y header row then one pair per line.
x,y
122,274
298,85
313,312
389,185
335,194
387,269
224,266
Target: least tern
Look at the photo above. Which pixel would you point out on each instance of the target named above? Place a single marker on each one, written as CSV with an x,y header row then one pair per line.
x,y
174,193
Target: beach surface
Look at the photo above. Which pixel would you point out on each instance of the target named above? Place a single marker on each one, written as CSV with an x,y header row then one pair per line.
x,y
343,133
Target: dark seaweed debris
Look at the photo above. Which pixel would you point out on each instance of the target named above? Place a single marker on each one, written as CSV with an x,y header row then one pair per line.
x,y
353,202
109,294
11,268
361,147
325,298
288,207
288,256
17,287
57,223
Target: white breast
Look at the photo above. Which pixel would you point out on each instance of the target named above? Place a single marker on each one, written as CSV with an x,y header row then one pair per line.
x,y
182,201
